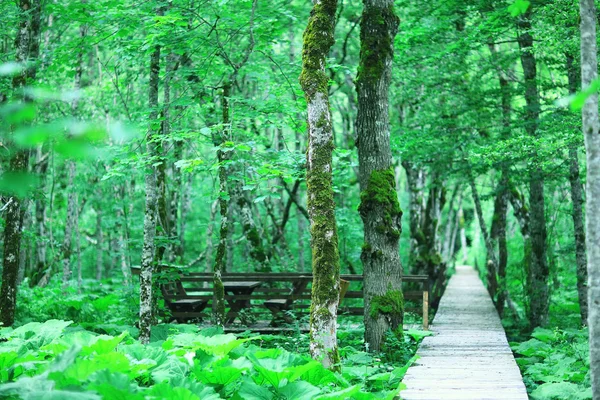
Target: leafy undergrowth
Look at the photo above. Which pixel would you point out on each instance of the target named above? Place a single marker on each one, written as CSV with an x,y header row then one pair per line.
x,y
555,364
59,360
108,303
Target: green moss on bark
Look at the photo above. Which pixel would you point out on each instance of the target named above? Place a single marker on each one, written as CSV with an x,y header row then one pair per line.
x,y
391,306
378,28
380,194
318,39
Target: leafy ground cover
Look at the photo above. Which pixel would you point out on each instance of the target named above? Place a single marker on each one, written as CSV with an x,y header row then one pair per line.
x,y
61,359
556,364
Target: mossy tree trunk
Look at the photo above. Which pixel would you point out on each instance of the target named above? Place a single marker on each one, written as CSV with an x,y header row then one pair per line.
x,y
577,200
379,207
150,216
317,41
589,74
538,269
27,50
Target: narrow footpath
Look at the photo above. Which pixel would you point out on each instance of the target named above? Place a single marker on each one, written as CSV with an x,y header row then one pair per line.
x,y
468,358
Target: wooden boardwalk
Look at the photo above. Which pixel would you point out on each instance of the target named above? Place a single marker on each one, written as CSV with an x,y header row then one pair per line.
x,y
468,358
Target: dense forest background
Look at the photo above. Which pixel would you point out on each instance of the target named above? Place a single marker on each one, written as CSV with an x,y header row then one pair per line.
x,y
485,135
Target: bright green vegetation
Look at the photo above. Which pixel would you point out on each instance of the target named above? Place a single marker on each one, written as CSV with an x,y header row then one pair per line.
x,y
184,363
229,131
556,364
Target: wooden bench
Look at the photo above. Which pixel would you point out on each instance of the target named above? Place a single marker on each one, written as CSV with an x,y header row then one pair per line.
x,y
282,293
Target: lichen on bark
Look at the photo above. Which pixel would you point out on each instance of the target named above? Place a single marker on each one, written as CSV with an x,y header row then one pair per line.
x,y
317,40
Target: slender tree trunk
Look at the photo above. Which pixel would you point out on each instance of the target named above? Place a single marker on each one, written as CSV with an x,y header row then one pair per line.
x,y
67,245
27,49
150,216
415,179
317,41
78,250
42,240
463,236
23,254
379,207
498,234
208,251
99,244
498,231
538,269
491,263
577,200
220,263
446,256
589,74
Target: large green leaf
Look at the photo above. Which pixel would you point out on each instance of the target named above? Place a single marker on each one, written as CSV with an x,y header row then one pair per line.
x,y
299,390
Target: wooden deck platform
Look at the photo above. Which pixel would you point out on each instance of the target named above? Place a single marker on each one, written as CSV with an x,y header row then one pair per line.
x,y
468,358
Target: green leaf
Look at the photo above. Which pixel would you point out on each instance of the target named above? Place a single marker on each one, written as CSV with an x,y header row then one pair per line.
x,y
545,335
299,391
580,98
418,334
518,7
561,391
340,394
19,184
165,391
251,391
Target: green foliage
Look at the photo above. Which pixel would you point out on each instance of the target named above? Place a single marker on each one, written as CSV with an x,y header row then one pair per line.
x,y
555,364
61,362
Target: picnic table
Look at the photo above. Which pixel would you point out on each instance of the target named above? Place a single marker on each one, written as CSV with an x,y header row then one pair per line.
x,y
285,294
242,291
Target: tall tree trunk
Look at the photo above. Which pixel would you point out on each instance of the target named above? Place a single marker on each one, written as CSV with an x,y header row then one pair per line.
x,y
78,250
538,269
498,234
577,200
317,41
150,216
41,245
415,179
589,74
491,262
498,231
463,236
379,207
220,263
67,245
99,243
27,49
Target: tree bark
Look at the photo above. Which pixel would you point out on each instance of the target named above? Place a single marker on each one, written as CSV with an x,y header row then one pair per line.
x,y
220,263
379,207
99,243
538,269
150,216
40,222
317,41
577,212
67,244
27,49
491,262
589,73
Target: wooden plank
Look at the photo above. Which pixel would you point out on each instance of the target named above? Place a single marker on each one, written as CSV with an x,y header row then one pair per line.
x,y
468,358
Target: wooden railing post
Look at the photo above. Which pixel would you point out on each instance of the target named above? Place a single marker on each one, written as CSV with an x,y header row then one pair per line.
x,y
426,309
